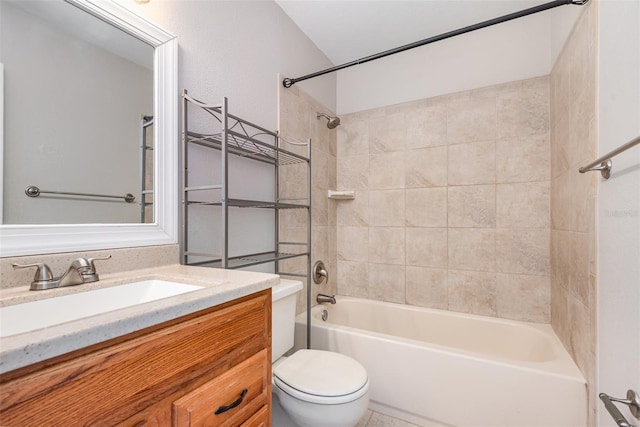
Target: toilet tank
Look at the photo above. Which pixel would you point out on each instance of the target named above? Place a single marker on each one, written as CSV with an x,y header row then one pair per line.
x,y
283,316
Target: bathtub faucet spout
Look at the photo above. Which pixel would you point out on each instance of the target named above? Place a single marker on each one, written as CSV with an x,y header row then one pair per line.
x,y
325,298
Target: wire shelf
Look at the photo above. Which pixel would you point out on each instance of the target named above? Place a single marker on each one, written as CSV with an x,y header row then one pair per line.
x,y
239,203
245,260
213,127
246,146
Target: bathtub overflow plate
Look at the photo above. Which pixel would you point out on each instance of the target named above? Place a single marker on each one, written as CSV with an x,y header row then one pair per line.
x,y
325,315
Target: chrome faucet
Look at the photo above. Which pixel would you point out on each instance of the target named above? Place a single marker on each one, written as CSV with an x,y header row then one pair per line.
x,y
326,298
87,268
81,270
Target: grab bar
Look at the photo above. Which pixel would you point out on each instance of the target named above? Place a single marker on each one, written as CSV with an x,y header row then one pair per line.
x,y
605,161
632,401
33,191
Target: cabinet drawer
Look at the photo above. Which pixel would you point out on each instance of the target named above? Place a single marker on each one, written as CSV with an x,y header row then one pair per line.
x,y
229,399
262,418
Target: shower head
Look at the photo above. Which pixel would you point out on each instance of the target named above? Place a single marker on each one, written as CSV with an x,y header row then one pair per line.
x,y
332,122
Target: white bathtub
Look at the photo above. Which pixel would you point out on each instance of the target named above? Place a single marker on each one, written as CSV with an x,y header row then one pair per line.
x,y
434,367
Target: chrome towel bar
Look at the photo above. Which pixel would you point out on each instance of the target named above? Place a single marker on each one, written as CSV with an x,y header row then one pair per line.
x,y
632,401
604,162
33,191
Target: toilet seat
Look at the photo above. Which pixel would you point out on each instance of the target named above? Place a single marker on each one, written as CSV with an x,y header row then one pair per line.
x,y
322,377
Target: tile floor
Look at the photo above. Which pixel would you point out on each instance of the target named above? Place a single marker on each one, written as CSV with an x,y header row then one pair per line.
x,y
376,419
370,419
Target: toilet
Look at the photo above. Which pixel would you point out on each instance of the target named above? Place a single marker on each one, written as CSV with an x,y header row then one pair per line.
x,y
315,388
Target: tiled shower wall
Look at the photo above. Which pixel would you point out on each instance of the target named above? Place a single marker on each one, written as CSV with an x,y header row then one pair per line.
x,y
573,197
452,202
297,119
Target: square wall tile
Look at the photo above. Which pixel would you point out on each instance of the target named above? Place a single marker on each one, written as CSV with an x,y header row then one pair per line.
x,y
293,218
353,244
353,172
319,206
523,159
560,135
293,181
386,171
353,279
293,115
386,245
387,208
387,134
524,112
523,205
320,169
426,247
427,287
426,126
523,252
472,164
320,244
353,212
472,249
559,311
471,119
386,282
472,292
426,167
353,137
472,206
524,298
426,207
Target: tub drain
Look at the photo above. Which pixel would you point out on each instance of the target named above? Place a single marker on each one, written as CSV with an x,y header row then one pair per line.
x,y
325,314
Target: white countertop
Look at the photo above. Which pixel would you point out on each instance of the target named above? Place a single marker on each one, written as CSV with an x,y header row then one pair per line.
x,y
219,286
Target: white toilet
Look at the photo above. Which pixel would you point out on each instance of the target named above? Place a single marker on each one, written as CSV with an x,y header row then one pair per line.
x,y
315,388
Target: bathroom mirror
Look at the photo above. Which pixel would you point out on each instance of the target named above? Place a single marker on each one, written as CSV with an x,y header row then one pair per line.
x,y
125,124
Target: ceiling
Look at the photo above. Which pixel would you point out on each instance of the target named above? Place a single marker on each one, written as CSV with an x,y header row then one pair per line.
x,y
346,30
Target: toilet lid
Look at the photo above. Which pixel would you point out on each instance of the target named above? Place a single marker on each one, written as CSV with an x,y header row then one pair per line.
x,y
323,374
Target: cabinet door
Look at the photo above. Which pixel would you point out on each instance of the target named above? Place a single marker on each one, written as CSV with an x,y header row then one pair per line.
x,y
229,399
133,380
262,418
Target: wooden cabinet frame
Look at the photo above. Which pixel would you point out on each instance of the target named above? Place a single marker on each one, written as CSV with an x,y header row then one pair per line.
x,y
133,380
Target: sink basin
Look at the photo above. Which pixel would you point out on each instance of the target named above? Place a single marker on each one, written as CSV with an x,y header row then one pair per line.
x,y
30,316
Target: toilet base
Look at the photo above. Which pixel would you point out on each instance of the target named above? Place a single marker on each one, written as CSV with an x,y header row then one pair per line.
x,y
279,418
305,414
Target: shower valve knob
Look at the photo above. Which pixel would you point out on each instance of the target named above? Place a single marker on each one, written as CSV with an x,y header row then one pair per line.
x,y
319,273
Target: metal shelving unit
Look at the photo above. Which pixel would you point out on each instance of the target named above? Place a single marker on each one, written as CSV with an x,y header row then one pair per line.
x,y
234,136
146,193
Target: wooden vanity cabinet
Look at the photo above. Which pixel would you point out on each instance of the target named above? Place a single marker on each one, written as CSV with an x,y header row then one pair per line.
x,y
178,373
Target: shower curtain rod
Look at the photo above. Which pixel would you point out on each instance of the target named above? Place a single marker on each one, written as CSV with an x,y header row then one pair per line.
x,y
288,82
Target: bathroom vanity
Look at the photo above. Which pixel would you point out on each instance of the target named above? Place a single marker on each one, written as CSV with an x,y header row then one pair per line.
x,y
203,364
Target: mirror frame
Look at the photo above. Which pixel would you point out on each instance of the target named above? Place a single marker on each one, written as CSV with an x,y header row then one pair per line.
x,y
27,239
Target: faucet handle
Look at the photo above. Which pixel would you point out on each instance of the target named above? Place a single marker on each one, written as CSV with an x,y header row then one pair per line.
x,y
43,273
82,265
319,273
87,268
98,258
92,275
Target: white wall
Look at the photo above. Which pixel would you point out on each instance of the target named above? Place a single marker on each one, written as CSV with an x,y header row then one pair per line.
x,y
516,50
619,204
236,49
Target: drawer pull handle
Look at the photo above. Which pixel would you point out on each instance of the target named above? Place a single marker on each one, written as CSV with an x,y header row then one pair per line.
x,y
223,409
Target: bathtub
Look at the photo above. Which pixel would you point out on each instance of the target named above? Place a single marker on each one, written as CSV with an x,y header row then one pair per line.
x,y
440,368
